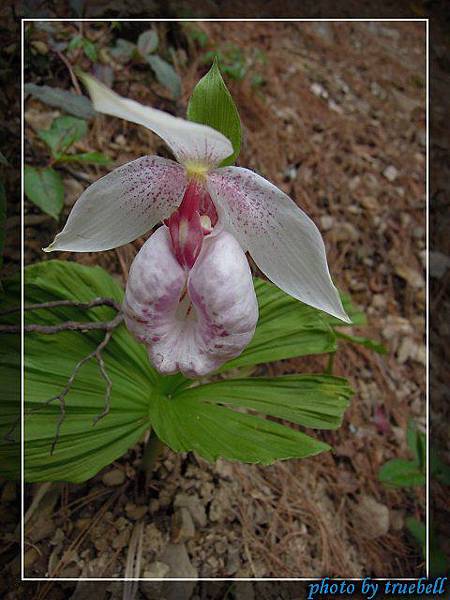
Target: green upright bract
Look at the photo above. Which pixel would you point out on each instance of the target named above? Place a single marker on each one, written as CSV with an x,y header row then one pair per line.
x,y
211,104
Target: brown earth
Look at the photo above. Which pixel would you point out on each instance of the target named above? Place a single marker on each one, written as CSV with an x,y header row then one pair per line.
x,y
339,124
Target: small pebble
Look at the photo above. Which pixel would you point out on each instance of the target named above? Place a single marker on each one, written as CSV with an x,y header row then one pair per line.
x,y
113,477
135,512
318,90
390,173
156,570
183,528
326,222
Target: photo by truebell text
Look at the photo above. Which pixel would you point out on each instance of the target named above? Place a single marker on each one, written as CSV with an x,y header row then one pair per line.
x,y
369,588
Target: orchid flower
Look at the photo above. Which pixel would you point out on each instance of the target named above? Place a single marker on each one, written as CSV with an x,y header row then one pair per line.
x,y
189,295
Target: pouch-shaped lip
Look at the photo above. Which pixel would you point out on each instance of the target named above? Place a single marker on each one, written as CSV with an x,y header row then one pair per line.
x,y
191,321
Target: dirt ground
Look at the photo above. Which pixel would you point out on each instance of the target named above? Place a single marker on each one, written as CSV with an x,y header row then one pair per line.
x,y
338,122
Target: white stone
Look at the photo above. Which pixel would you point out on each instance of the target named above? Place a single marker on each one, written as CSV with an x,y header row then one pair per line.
x,y
326,222
390,173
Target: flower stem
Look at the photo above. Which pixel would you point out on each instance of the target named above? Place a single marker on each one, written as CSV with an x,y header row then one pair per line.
x,y
152,450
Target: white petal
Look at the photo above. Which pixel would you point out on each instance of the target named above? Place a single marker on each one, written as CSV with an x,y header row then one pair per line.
x,y
190,142
282,239
123,205
224,311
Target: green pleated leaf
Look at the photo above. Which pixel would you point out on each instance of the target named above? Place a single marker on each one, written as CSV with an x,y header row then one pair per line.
x,y
82,449
202,419
401,473
186,424
286,328
10,403
211,104
363,341
316,401
358,318
356,314
10,383
45,188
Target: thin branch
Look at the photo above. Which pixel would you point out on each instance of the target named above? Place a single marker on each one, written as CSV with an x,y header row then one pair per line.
x,y
100,301
102,367
134,561
77,175
96,353
72,74
107,326
67,325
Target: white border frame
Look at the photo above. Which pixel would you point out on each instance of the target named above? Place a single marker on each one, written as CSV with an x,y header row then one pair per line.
x,y
427,342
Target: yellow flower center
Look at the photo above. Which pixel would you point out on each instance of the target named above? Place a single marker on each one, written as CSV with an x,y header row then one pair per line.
x,y
196,170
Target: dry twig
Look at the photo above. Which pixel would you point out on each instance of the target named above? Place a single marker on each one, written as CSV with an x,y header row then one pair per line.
x,y
78,541
134,561
71,73
67,325
107,326
99,301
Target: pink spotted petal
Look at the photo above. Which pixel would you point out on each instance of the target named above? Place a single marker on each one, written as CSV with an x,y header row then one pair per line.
x,y
221,289
283,241
123,205
193,321
155,283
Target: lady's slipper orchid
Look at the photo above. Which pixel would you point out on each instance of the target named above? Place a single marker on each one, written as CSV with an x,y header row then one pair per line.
x,y
189,295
